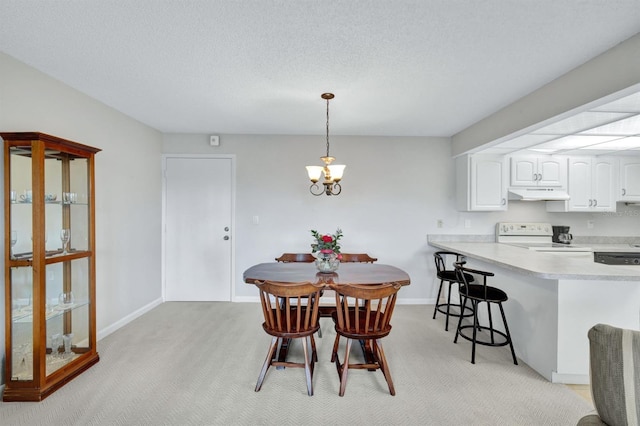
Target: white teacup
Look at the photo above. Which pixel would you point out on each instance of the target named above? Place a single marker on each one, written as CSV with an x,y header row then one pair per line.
x,y
27,196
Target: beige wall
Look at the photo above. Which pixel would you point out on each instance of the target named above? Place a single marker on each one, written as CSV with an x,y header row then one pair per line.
x,y
128,183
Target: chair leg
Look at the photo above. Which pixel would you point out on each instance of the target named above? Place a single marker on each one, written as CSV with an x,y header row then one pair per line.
x,y
336,342
314,353
344,369
493,340
506,329
446,325
308,372
463,304
435,309
475,331
382,361
267,362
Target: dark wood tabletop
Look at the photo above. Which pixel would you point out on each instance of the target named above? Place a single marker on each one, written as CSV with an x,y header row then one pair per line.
x,y
347,273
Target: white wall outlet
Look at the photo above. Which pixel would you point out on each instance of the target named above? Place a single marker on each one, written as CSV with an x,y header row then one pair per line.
x,y
256,220
467,223
590,224
214,140
440,223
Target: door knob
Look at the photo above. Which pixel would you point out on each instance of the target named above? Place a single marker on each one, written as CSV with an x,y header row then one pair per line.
x,y
226,229
226,237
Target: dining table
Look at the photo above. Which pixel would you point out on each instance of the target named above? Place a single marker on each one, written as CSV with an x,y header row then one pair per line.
x,y
347,273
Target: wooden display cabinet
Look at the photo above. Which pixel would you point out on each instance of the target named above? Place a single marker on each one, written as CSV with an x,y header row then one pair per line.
x,y
50,309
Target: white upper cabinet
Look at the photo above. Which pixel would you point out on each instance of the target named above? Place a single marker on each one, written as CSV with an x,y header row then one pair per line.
x,y
592,184
481,183
629,179
543,171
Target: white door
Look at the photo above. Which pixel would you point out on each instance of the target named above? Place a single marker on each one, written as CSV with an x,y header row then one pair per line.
x,y
489,183
604,184
524,171
197,223
630,179
580,184
552,172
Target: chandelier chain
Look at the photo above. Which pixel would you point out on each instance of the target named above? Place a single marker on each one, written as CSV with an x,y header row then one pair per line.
x,y
327,127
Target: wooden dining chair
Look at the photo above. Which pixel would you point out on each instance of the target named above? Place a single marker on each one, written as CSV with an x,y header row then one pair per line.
x,y
363,313
303,258
357,258
296,257
290,312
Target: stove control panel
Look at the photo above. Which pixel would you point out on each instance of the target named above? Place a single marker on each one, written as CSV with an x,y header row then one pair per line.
x,y
617,258
523,229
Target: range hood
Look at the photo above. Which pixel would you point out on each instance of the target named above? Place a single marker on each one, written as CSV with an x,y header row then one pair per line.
x,y
538,194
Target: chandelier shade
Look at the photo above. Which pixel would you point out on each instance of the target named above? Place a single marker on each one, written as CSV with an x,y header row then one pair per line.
x,y
332,172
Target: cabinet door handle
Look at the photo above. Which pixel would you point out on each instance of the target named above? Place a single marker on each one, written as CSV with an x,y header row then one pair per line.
x,y
226,237
540,177
624,191
535,177
504,201
595,203
590,202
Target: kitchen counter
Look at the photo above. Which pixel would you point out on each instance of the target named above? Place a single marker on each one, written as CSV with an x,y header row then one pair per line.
x,y
554,299
547,265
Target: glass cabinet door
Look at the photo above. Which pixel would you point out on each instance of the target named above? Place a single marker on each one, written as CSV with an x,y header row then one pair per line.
x,y
49,263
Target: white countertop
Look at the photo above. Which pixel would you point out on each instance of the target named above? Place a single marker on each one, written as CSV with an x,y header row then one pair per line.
x,y
556,266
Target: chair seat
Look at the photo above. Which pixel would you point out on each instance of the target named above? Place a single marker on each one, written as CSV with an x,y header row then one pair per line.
x,y
477,291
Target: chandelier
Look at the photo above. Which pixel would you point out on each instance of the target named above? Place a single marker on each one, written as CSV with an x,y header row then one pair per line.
x,y
332,173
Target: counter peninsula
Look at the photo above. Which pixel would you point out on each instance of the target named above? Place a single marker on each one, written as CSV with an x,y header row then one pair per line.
x,y
554,298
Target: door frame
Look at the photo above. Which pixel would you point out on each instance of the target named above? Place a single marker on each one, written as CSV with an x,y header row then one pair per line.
x,y
231,157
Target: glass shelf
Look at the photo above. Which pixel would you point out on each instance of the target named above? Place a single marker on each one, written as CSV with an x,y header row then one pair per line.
x,y
25,314
48,254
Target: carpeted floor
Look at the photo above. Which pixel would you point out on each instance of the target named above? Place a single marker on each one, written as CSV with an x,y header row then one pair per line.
x,y
197,364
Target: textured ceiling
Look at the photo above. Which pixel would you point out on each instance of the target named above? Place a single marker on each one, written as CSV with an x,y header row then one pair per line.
x,y
402,68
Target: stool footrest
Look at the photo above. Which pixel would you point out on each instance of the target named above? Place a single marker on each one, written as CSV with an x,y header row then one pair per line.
x,y
442,308
483,342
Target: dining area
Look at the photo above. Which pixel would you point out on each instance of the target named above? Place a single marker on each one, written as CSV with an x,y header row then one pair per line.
x,y
292,298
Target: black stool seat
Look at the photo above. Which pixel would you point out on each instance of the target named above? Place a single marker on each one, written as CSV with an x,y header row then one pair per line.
x,y
449,276
488,293
476,294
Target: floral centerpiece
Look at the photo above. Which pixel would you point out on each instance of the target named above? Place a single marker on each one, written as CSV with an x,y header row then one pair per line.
x,y
326,250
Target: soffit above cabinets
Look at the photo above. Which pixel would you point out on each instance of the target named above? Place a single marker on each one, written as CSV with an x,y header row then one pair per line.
x,y
609,129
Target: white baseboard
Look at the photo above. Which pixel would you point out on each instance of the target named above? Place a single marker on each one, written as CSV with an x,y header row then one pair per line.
x,y
126,320
570,379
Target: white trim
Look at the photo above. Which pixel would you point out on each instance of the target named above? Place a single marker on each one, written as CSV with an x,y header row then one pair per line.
x,y
573,379
126,320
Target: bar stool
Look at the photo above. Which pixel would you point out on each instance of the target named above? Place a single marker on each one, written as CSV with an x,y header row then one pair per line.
x,y
450,277
478,293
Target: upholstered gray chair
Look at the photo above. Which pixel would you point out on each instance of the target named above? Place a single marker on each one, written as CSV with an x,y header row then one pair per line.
x,y
615,376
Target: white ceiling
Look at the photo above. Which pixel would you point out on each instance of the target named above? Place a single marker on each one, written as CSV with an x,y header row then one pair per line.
x,y
397,68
